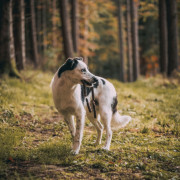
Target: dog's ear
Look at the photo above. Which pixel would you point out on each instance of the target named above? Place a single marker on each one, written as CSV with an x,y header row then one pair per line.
x,y
71,63
69,60
74,64
79,58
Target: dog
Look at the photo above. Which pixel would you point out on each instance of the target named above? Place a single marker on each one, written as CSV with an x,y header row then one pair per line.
x,y
67,91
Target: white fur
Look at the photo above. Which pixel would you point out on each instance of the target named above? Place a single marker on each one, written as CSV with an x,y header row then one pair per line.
x,y
66,91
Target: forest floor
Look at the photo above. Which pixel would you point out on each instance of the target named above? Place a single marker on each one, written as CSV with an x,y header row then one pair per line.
x,y
35,142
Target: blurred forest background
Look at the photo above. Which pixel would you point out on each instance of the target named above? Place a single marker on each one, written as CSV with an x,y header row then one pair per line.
x,y
119,39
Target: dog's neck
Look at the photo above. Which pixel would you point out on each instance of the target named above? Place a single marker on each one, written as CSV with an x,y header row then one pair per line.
x,y
67,83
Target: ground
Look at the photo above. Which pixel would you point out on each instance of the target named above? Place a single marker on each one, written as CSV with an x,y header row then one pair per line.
x,y
36,144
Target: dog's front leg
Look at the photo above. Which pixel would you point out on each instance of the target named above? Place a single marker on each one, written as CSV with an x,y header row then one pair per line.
x,y
70,122
80,120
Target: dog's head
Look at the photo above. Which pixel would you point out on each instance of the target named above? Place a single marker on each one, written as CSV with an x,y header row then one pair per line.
x,y
76,70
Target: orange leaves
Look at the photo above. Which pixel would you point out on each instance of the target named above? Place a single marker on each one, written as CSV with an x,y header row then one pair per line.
x,y
103,56
11,159
148,9
149,66
154,58
152,65
156,65
55,20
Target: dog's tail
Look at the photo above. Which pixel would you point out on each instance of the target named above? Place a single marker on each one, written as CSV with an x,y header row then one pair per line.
x,y
51,82
119,121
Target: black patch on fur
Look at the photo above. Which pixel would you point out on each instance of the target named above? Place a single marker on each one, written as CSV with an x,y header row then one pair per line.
x,y
96,84
70,64
82,93
96,102
103,81
114,104
86,82
88,90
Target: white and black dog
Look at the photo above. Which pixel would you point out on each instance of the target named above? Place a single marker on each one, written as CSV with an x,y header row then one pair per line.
x,y
68,98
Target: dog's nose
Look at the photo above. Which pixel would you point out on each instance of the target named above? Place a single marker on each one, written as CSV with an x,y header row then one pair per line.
x,y
95,79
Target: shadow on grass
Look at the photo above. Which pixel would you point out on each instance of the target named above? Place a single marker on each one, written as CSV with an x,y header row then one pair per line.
x,y
54,153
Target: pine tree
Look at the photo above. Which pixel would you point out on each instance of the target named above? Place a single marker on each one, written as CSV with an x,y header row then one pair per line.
x,y
163,36
19,33
7,57
172,35
66,29
120,14
135,38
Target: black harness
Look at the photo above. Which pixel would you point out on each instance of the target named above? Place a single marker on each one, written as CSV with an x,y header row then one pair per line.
x,y
93,100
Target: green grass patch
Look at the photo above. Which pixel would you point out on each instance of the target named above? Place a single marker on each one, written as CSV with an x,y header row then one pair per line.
x,y
54,153
35,141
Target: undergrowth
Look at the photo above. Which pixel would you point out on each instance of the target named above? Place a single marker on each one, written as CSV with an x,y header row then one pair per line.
x,y
35,141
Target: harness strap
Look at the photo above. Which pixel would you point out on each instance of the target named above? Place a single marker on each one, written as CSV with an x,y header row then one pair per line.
x,y
89,107
93,100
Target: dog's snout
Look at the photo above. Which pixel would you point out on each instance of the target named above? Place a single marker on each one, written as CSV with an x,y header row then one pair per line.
x,y
95,79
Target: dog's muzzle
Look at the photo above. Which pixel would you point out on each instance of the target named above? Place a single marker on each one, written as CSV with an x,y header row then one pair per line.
x,y
87,83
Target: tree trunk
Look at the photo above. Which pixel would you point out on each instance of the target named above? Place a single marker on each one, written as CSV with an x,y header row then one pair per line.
x,y
86,32
19,34
66,29
172,35
54,42
33,34
44,24
129,43
121,52
163,36
7,57
135,38
75,25
39,26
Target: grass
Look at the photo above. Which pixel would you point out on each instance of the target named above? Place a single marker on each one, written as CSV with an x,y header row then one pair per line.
x,y
36,144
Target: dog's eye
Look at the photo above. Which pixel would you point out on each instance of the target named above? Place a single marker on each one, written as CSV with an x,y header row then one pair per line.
x,y
83,70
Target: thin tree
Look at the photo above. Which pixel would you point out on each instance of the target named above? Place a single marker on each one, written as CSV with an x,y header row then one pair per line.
x,y
75,25
7,57
172,35
38,24
129,42
33,34
163,36
86,31
135,38
121,52
40,27
19,33
66,29
54,42
44,24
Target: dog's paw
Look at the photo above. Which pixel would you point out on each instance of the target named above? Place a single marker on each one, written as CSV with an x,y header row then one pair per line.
x,y
105,148
74,152
97,143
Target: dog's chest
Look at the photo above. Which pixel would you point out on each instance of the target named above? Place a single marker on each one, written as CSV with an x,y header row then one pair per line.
x,y
66,100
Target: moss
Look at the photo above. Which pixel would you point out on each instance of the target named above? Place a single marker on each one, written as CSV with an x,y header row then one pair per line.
x,y
13,70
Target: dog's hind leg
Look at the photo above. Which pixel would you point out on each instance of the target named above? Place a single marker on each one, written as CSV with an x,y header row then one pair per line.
x,y
99,127
106,117
70,122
